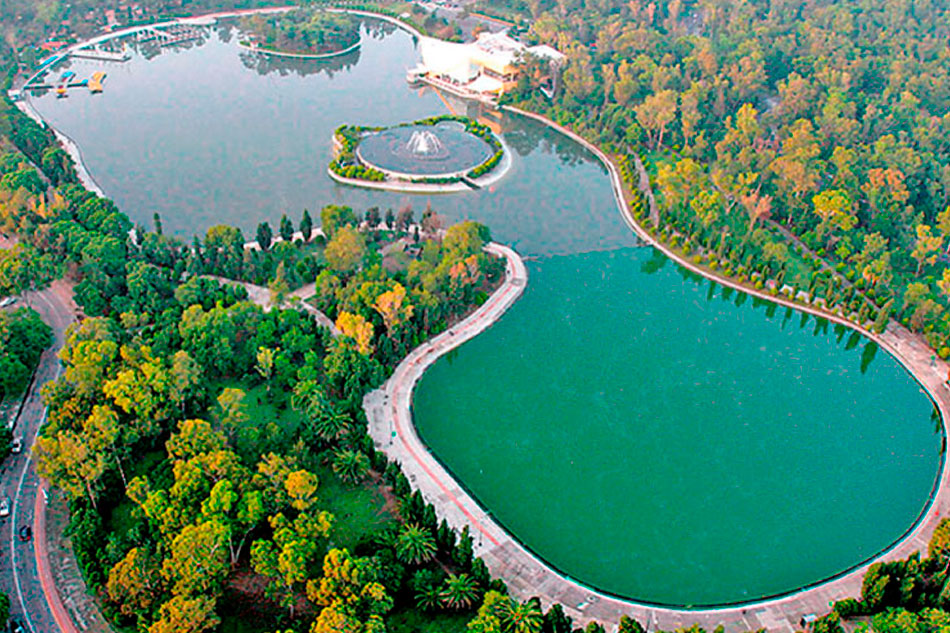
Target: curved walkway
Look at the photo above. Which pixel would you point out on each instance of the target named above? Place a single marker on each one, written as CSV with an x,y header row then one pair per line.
x,y
389,412
295,300
379,16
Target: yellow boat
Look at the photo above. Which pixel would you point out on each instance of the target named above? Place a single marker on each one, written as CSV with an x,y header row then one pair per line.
x,y
95,82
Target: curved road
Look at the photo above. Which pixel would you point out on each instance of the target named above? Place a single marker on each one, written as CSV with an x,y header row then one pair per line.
x,y
21,577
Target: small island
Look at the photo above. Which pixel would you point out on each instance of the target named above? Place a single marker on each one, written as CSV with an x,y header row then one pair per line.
x,y
303,32
443,153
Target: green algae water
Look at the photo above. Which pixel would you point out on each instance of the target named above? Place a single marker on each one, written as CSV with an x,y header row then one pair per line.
x,y
642,430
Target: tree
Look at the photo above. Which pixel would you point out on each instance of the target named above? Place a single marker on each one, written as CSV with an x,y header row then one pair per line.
x,y
798,167
835,210
286,229
404,218
358,329
265,364
286,558
372,217
393,307
926,247
656,113
350,465
334,217
940,540
459,591
67,461
350,594
306,225
264,236
232,409
520,617
134,582
345,250
488,619
629,625
197,560
414,544
184,614
278,287
465,238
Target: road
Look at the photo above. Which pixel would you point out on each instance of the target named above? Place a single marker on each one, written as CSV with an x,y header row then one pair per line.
x,y
20,575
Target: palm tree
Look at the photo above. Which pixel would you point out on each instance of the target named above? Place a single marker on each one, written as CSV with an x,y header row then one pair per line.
x,y
460,591
429,597
329,423
350,465
414,545
307,395
520,617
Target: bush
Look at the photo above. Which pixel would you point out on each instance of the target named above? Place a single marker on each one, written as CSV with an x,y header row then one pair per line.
x,y
848,608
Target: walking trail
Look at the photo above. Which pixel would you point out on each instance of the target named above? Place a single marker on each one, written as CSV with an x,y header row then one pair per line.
x,y
296,300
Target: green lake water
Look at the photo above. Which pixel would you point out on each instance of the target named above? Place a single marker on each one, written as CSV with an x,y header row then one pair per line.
x,y
640,429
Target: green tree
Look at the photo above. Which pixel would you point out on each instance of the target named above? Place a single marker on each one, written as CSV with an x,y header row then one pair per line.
x,y
264,236
334,217
414,544
135,583
286,558
286,229
306,225
197,560
465,238
351,597
835,210
185,614
350,465
459,591
345,250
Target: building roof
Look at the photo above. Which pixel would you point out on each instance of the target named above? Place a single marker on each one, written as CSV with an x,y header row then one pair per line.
x,y
486,84
447,58
547,52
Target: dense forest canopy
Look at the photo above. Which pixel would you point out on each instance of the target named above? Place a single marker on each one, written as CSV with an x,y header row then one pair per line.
x,y
830,118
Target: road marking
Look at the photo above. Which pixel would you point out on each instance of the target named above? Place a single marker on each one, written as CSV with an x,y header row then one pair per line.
x,y
23,473
13,530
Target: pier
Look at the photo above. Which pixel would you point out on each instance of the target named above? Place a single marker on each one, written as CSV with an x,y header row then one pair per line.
x,y
102,55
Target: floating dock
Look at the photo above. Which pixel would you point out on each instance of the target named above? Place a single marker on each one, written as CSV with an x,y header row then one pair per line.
x,y
63,83
95,82
101,55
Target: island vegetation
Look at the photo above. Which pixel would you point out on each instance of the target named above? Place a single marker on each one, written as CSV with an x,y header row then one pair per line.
x,y
308,31
346,164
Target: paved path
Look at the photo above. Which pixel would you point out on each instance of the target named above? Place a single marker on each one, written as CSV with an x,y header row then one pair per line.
x,y
390,421
295,300
25,574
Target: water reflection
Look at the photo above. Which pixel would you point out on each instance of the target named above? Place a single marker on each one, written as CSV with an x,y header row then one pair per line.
x,y
264,64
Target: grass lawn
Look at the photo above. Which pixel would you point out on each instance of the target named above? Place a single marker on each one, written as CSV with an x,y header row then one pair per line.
x,y
418,622
120,519
357,510
267,428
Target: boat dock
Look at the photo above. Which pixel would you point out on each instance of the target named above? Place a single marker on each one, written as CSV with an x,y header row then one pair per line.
x,y
95,82
172,34
63,83
102,55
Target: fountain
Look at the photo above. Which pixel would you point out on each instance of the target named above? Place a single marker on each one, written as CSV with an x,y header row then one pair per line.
x,y
424,143
443,150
